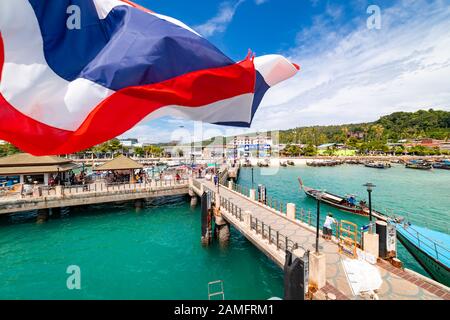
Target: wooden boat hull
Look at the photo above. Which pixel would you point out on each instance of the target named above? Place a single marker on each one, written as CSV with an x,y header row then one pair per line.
x,y
374,166
435,268
418,167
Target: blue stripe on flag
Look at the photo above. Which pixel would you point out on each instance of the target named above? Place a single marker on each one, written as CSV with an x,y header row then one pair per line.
x,y
128,48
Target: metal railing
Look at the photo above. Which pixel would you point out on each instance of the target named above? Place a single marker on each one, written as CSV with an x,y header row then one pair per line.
x,y
51,191
275,237
233,209
281,241
441,225
424,243
281,206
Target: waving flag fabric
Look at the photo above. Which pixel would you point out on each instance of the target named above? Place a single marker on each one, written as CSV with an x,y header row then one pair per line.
x,y
64,88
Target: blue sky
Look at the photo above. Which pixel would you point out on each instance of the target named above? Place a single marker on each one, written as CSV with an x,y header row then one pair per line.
x,y
349,73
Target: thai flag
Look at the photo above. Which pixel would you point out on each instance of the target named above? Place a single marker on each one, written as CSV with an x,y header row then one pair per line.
x,y
75,73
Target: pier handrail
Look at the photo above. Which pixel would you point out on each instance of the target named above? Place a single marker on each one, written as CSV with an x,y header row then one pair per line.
x,y
51,191
434,245
258,225
280,206
275,237
438,225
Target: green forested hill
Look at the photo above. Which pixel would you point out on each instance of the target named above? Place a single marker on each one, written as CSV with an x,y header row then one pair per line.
x,y
399,125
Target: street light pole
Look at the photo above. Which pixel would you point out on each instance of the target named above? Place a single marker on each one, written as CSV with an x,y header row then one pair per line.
x,y
370,187
217,174
253,184
319,198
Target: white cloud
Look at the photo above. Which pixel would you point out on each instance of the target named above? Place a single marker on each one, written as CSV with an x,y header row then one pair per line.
x,y
352,74
365,73
258,2
219,22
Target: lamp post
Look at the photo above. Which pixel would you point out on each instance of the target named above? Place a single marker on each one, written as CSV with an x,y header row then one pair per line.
x,y
319,198
252,179
370,187
217,174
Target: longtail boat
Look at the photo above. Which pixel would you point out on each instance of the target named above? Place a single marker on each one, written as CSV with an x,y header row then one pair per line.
x,y
418,164
377,165
347,203
444,164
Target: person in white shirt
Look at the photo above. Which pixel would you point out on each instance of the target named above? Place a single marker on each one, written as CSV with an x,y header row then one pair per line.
x,y
328,226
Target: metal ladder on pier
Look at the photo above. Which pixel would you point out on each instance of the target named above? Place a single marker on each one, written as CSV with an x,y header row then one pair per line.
x,y
219,293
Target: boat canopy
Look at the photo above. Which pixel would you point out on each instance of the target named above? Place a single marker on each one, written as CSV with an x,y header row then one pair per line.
x,y
332,197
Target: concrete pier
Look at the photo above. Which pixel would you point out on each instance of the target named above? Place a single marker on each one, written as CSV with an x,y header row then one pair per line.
x,y
221,227
194,201
95,193
273,232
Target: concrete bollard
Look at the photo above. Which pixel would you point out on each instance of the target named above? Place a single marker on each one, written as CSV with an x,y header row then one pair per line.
x,y
317,271
371,243
253,194
290,211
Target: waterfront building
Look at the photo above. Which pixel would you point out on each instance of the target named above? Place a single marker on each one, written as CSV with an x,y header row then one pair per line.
x,y
26,168
129,142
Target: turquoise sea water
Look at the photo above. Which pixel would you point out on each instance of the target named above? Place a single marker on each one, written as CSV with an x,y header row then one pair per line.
x,y
123,254
156,253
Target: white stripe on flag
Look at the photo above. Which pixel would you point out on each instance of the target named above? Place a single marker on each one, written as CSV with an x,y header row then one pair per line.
x,y
29,84
274,68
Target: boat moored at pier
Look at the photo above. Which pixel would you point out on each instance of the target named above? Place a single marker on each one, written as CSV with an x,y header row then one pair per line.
x,y
429,248
347,203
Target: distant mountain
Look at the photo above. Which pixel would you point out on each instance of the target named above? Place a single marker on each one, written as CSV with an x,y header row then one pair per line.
x,y
399,125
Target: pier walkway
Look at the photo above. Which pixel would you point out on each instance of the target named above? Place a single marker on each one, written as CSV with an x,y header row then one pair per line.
x,y
273,232
95,193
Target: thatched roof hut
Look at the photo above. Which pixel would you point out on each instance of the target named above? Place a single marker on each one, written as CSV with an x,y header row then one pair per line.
x,y
119,163
24,163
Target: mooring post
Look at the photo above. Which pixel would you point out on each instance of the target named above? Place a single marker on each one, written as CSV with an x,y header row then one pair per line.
x,y
194,199
296,275
206,220
138,204
56,212
42,215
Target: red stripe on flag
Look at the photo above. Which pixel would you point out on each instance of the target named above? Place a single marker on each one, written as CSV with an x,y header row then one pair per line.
x,y
125,108
2,56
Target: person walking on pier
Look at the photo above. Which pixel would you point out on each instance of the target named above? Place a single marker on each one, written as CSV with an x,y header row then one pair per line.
x,y
328,226
216,180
